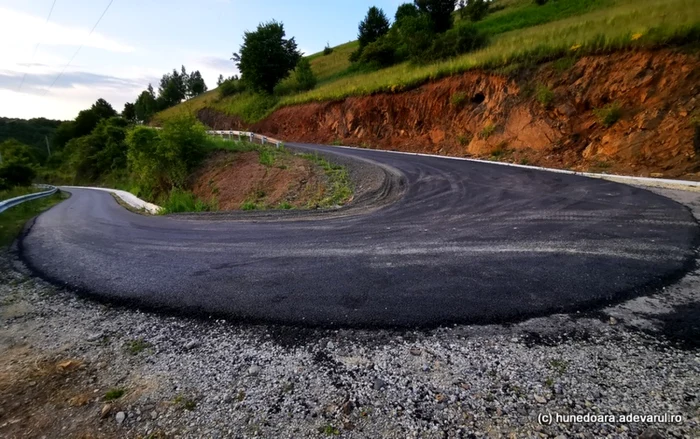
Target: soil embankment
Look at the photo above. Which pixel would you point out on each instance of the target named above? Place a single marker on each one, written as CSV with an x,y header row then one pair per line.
x,y
630,112
232,179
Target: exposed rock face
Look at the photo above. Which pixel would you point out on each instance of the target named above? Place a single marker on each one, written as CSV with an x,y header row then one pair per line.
x,y
483,114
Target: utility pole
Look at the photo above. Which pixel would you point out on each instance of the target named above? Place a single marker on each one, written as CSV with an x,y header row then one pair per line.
x,y
48,148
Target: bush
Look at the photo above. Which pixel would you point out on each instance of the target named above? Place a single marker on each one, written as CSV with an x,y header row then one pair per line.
x,y
462,39
305,78
231,87
161,161
16,174
380,53
327,50
476,9
544,96
609,114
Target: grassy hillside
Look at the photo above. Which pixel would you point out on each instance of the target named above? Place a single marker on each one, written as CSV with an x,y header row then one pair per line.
x,y
520,33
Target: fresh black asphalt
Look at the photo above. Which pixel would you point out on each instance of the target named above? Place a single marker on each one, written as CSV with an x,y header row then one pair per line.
x,y
465,242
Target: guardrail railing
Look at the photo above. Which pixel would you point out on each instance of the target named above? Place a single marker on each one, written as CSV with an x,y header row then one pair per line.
x,y
245,135
12,202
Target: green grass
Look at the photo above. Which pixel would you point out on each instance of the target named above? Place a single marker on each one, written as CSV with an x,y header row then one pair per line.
x,y
135,347
267,157
609,114
658,22
458,100
487,131
183,201
12,220
523,34
113,394
339,189
18,191
528,14
544,96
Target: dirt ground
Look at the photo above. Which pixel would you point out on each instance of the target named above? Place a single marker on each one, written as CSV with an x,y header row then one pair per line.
x,y
232,178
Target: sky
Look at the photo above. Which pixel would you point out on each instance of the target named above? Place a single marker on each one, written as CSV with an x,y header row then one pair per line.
x,y
136,42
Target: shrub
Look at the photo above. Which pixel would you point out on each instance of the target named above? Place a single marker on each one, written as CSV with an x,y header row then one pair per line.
x,y
475,9
544,96
380,53
161,161
462,39
489,129
327,50
305,78
609,114
541,2
414,36
231,87
13,151
16,174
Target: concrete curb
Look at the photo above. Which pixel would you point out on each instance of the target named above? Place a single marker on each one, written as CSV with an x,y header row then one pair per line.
x,y
129,198
687,185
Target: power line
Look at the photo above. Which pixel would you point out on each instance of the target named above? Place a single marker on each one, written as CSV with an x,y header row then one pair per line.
x,y
36,47
79,48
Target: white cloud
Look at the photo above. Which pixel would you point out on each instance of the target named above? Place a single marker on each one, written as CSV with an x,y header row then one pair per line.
x,y
20,27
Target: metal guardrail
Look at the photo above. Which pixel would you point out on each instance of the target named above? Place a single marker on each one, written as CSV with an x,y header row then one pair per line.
x,y
247,135
12,202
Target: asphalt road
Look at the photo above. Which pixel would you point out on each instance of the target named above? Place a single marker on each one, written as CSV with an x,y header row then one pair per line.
x,y
466,243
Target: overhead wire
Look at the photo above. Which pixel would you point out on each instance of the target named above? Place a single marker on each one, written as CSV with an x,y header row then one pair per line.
x,y
36,46
77,51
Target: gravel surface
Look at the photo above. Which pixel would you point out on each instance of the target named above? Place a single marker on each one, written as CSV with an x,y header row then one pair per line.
x,y
214,379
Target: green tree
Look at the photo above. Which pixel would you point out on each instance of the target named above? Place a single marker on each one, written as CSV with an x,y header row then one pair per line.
x,y
88,119
16,152
195,84
406,10
374,26
220,80
474,9
266,56
15,174
32,132
129,112
304,75
146,105
103,151
172,89
439,11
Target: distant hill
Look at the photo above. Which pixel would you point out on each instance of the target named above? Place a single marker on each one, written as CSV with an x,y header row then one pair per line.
x,y
32,132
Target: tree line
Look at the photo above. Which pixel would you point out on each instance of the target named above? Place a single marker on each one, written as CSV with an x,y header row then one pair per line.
x,y
423,31
173,88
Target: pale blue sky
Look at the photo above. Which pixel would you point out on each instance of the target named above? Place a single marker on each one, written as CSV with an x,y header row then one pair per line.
x,y
137,41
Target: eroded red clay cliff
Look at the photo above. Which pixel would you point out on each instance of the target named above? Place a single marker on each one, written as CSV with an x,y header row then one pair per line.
x,y
481,114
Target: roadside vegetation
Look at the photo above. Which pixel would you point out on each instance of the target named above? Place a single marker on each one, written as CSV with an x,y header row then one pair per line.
x,y
12,220
103,148
394,54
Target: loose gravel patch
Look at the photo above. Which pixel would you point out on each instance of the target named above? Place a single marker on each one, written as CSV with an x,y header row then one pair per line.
x,y
61,356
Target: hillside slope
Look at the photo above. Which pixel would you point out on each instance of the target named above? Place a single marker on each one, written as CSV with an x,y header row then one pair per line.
x,y
538,93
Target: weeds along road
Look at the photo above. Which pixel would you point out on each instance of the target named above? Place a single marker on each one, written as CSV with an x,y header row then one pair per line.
x,y
464,242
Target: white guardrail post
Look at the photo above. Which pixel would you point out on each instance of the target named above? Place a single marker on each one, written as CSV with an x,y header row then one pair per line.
x,y
12,202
